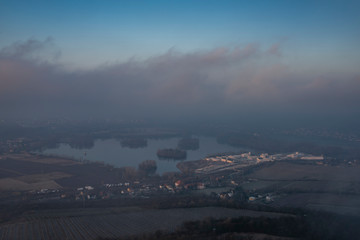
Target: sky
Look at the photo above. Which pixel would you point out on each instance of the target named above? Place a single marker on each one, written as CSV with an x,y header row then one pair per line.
x,y
185,59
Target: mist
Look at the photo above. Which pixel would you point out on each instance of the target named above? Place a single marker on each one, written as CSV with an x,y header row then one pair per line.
x,y
246,83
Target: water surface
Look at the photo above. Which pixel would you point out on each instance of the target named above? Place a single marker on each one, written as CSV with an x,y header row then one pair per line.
x,y
110,151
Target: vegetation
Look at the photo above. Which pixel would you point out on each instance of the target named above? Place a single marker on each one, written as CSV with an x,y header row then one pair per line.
x,y
148,167
313,225
287,181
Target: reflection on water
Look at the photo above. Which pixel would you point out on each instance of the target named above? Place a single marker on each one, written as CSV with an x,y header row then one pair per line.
x,y
110,151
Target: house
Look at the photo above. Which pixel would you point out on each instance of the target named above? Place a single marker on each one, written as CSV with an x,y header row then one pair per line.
x,y
178,183
200,186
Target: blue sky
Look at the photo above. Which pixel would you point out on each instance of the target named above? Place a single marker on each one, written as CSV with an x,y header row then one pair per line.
x,y
89,33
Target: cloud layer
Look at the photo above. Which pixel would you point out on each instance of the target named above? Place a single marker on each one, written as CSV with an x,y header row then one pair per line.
x,y
228,82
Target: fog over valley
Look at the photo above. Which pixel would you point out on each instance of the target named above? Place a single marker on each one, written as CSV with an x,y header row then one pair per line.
x,y
132,120
242,83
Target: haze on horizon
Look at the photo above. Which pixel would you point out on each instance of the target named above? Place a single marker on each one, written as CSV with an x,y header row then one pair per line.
x,y
181,60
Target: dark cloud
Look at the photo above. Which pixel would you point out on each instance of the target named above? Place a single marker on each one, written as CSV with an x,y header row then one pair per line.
x,y
219,83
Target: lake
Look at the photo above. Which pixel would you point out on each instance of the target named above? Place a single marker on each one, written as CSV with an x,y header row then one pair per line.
x,y
111,152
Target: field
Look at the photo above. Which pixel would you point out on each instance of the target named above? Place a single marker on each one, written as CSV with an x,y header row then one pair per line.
x,y
341,204
320,187
41,159
23,172
31,182
91,224
305,178
292,171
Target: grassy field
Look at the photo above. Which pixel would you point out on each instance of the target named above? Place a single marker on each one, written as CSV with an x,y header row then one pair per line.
x,y
288,177
91,224
32,182
35,178
30,179
23,172
41,159
290,171
341,204
320,187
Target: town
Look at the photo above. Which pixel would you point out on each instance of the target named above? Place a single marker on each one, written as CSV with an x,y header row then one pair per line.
x,y
238,161
54,189
210,174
